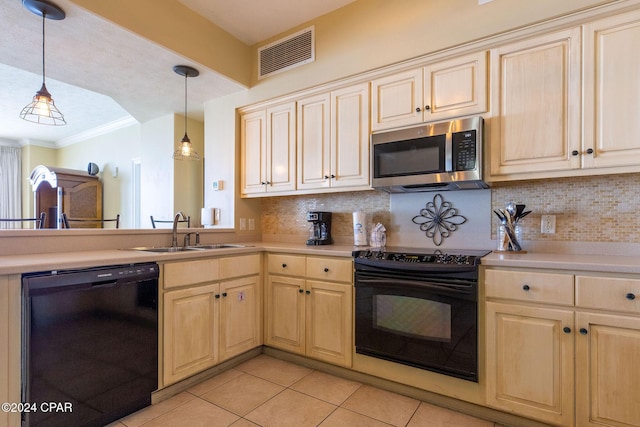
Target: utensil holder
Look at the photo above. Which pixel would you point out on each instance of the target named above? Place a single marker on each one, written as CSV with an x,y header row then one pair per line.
x,y
509,240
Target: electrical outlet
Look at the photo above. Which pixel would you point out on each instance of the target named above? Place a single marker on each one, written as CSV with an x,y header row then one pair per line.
x,y
548,224
243,223
252,224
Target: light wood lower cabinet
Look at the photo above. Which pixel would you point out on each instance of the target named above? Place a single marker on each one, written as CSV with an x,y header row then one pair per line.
x,y
310,314
542,333
207,322
10,346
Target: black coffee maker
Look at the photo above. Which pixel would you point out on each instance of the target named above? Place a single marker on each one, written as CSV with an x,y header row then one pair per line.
x,y
320,228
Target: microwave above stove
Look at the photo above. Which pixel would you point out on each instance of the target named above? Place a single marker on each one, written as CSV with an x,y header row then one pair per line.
x,y
431,157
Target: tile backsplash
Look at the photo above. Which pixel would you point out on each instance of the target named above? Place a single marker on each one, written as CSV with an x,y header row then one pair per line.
x,y
588,209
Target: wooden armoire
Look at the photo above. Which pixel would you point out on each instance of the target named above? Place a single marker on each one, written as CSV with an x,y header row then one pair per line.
x,y
74,192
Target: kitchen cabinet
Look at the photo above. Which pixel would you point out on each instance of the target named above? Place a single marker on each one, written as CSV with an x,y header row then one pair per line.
x,y
542,334
268,147
607,349
10,346
309,306
536,98
438,91
211,313
610,79
333,139
530,349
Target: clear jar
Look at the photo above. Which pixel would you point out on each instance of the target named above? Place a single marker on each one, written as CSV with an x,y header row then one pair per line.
x,y
503,240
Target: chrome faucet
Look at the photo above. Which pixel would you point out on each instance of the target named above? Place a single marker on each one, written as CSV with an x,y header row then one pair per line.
x,y
174,240
187,238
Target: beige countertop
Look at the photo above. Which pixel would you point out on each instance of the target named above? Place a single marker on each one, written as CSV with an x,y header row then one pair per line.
x,y
17,264
571,262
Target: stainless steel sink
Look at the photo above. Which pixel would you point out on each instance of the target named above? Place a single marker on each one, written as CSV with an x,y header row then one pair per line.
x,y
217,246
188,248
163,249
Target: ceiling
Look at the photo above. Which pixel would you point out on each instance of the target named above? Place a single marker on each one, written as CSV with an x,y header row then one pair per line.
x,y
100,74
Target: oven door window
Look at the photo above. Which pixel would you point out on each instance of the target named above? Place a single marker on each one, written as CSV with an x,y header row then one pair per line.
x,y
412,317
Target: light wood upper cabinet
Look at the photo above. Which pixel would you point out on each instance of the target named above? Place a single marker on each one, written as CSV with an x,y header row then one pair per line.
x,y
333,139
438,91
612,88
268,144
536,105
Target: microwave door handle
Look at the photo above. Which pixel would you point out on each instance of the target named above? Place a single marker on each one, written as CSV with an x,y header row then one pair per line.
x,y
448,153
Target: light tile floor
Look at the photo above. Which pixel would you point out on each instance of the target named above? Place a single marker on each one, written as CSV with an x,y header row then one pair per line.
x,y
266,391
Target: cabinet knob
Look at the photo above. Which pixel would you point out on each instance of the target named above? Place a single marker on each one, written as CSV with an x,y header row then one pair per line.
x,y
589,150
575,152
566,330
217,296
525,287
224,294
284,265
583,331
326,177
630,296
300,291
308,292
418,110
427,107
326,269
333,176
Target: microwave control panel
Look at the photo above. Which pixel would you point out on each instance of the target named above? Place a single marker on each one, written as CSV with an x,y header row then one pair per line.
x,y
464,150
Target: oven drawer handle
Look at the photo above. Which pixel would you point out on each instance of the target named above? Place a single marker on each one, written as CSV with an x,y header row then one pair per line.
x,y
419,284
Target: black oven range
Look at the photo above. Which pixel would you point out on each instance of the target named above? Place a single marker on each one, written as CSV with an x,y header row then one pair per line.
x,y
419,307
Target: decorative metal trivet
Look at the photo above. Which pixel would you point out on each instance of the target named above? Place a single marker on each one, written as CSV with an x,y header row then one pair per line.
x,y
439,219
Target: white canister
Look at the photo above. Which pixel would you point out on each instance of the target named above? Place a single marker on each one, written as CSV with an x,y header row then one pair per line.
x,y
359,228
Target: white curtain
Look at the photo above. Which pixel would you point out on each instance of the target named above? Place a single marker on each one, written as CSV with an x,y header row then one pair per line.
x,y
10,185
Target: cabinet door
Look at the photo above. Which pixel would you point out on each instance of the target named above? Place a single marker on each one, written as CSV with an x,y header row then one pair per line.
x,y
607,370
456,87
240,316
612,104
328,322
536,90
530,361
285,313
190,331
253,152
396,100
314,169
281,148
350,136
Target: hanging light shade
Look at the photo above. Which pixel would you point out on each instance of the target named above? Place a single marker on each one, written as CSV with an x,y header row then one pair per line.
x,y
185,151
42,109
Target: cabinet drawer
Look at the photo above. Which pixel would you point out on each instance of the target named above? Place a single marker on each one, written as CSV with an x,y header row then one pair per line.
x,y
529,286
330,269
292,265
242,265
608,293
190,272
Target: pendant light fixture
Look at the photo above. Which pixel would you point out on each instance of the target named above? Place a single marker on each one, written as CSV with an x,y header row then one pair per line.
x,y
185,151
42,109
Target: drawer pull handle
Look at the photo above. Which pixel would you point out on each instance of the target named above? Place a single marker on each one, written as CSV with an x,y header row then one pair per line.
x,y
284,265
526,288
630,296
583,331
566,330
326,270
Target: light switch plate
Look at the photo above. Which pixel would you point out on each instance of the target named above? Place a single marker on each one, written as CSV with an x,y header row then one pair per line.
x,y
548,224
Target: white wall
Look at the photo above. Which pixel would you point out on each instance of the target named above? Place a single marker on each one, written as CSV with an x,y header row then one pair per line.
x,y
157,169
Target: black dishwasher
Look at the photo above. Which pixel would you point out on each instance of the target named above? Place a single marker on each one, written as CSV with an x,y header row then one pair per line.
x,y
89,344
